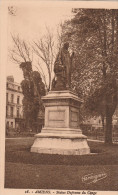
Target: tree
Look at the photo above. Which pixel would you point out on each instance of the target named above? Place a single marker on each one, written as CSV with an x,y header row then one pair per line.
x,y
93,35
24,55
33,88
21,51
44,48
41,53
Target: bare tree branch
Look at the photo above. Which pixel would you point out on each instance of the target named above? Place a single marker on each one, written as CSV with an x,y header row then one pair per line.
x,y
44,49
21,51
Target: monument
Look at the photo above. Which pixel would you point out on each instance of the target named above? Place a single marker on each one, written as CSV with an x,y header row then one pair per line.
x,y
61,133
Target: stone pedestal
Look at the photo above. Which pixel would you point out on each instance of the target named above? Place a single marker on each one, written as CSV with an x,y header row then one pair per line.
x,y
61,133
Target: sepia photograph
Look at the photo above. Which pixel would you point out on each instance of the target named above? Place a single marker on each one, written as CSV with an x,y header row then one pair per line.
x,y
59,97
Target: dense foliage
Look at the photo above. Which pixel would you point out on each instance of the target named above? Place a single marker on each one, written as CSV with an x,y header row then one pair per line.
x,y
33,88
93,36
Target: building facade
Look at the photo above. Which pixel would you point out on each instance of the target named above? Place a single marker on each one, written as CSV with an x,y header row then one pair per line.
x,y
14,107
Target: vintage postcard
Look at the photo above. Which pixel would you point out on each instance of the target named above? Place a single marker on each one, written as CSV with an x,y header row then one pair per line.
x,y
59,94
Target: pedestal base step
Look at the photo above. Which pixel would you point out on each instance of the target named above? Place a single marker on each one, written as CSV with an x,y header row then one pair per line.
x,y
66,144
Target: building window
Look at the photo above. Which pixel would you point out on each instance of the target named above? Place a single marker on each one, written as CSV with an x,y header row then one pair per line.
x,y
18,99
99,121
7,125
12,98
11,113
6,111
7,97
18,113
18,88
11,124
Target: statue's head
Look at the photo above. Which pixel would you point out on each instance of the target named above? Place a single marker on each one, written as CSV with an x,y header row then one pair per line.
x,y
66,45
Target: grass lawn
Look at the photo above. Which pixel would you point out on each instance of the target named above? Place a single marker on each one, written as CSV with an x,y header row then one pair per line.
x,y
42,171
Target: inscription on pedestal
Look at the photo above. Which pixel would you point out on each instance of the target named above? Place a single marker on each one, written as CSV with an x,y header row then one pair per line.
x,y
56,115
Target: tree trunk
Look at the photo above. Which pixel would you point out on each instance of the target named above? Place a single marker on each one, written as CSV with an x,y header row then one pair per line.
x,y
49,81
102,117
108,130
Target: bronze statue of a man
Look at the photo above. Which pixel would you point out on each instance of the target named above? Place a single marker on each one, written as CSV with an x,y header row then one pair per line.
x,y
62,69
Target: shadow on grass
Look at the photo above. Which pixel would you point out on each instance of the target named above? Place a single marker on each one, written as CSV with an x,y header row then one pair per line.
x,y
18,151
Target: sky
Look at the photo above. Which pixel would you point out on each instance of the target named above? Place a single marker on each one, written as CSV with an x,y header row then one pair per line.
x,y
29,23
